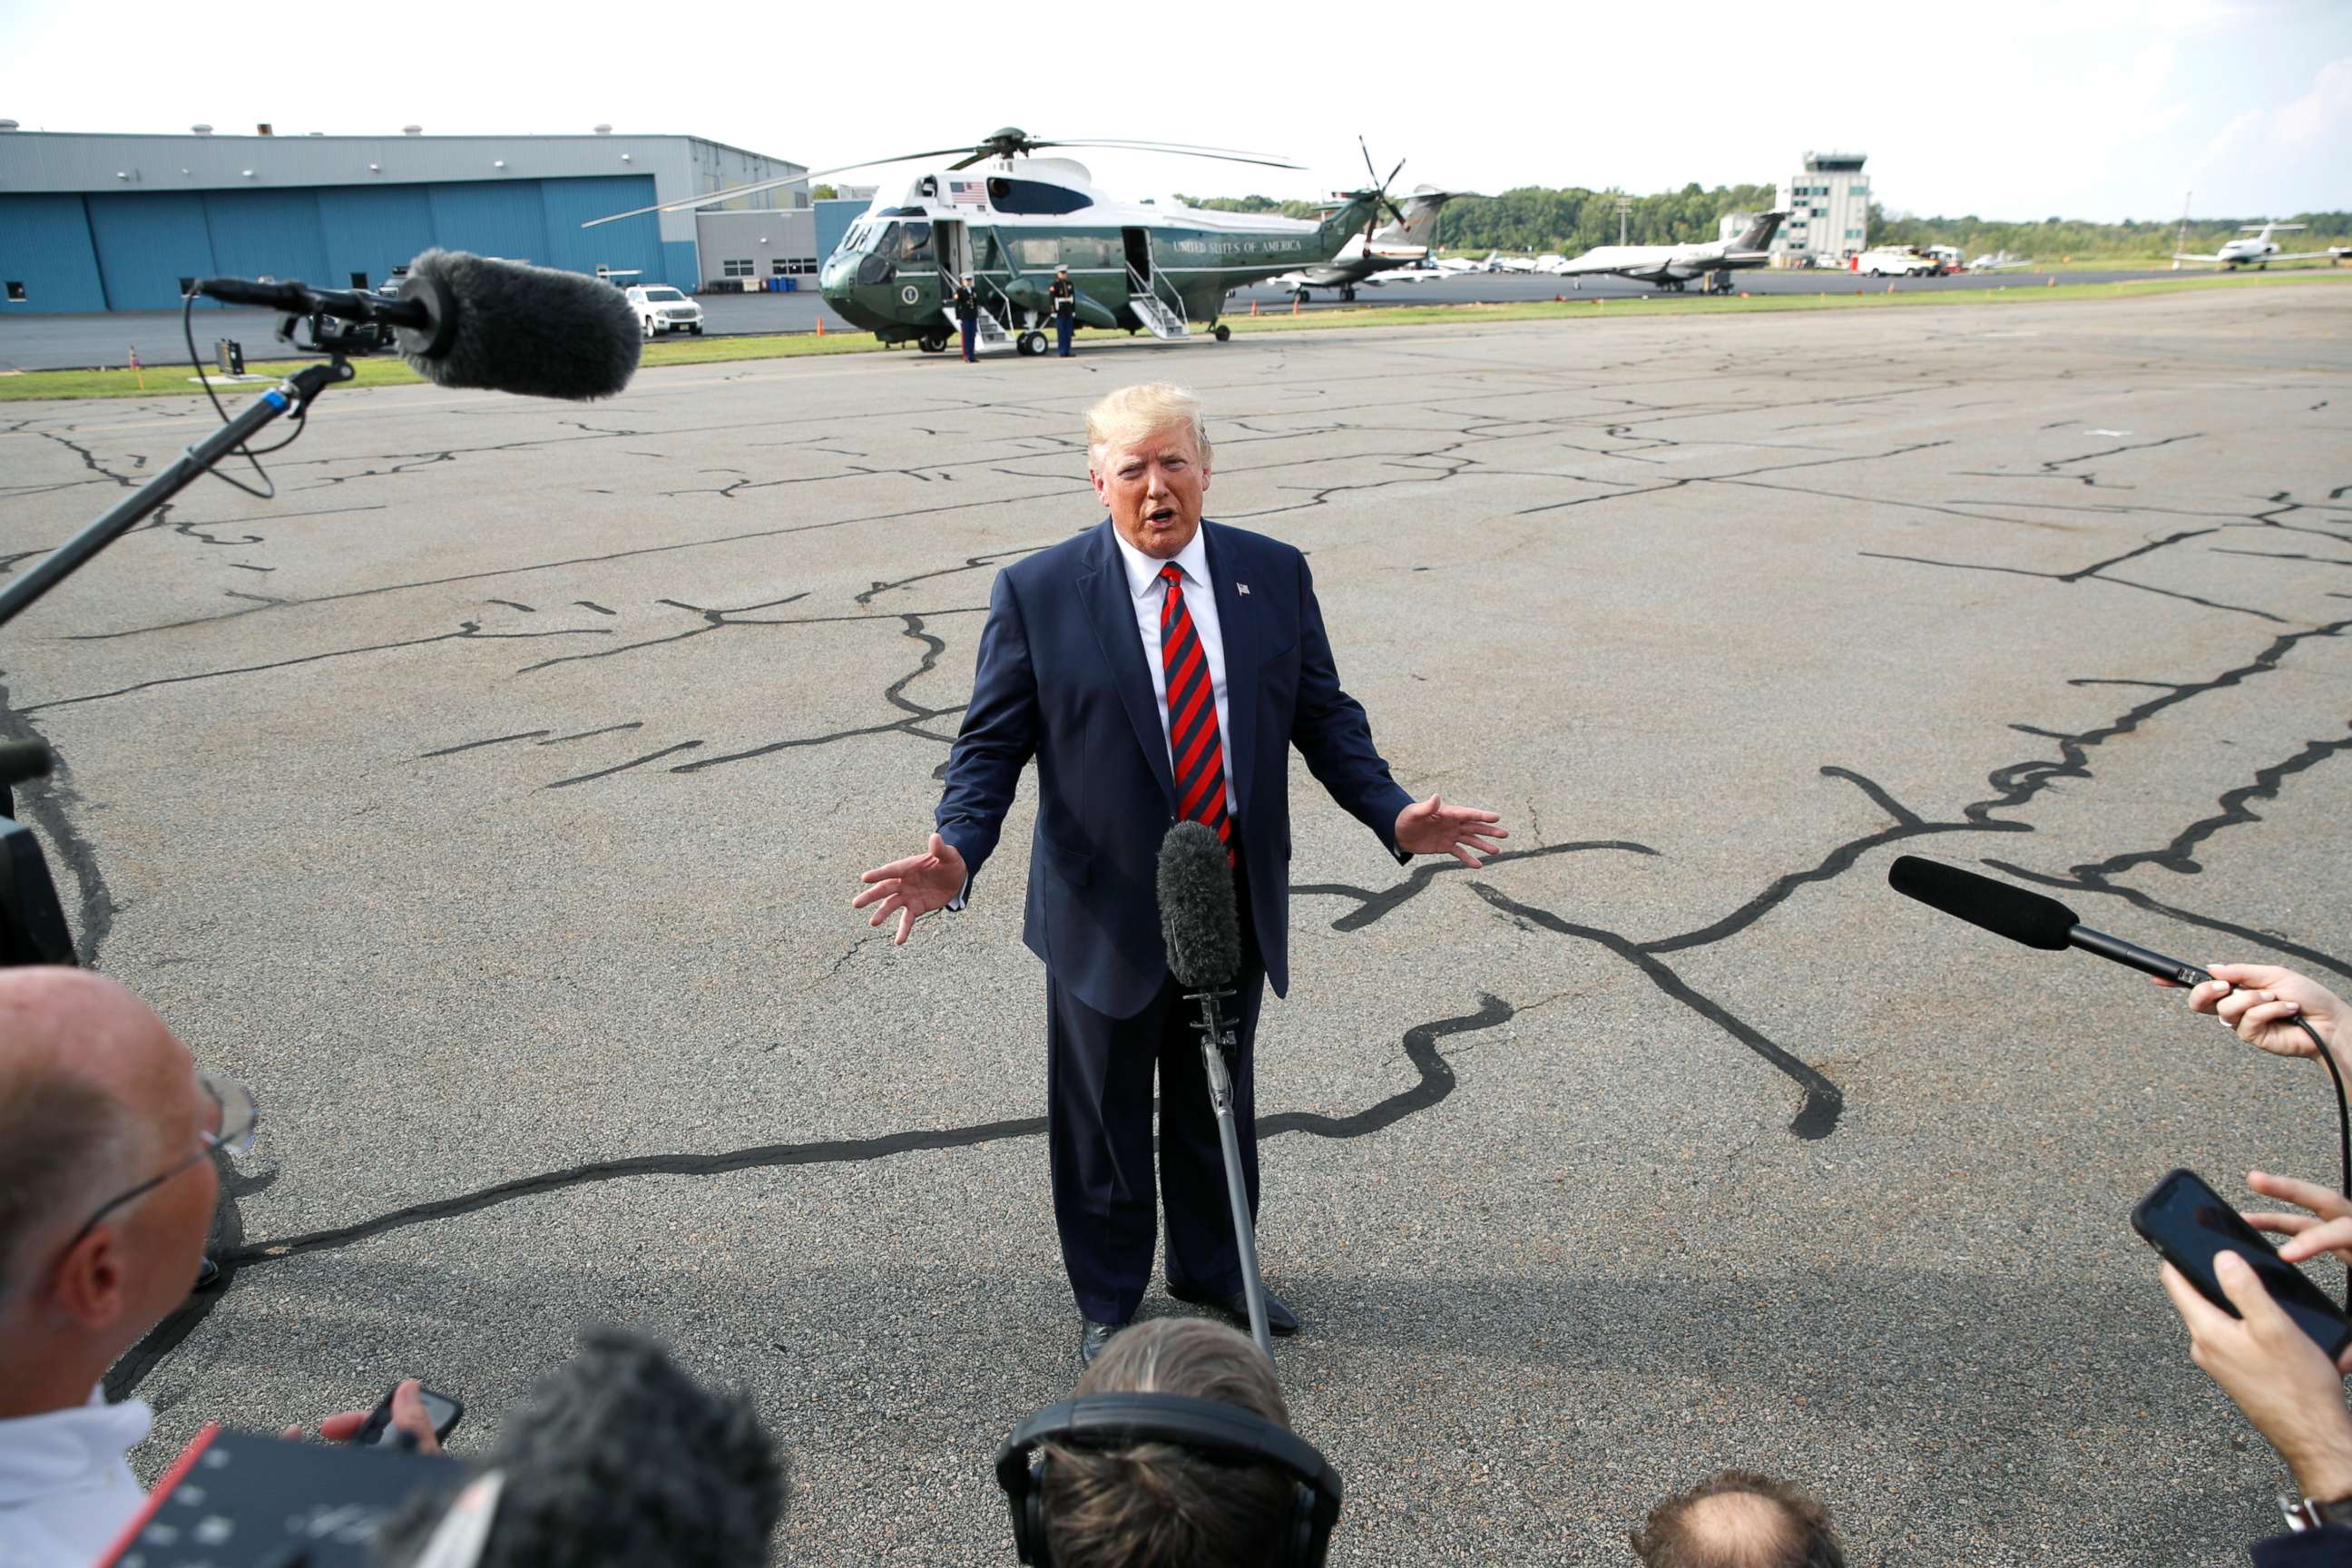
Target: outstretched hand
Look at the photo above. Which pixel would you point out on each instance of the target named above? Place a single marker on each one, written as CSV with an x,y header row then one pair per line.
x,y
1432,828
914,887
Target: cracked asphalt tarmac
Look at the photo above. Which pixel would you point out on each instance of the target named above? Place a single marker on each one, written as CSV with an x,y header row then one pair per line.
x,y
491,800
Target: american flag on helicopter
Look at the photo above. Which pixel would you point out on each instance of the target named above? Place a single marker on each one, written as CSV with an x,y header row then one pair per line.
x,y
967,193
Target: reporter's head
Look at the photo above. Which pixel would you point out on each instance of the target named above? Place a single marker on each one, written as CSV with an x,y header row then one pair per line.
x,y
106,1194
1156,1505
1739,1519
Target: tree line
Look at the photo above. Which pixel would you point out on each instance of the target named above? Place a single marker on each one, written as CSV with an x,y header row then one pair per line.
x,y
1567,219
1571,218
2052,238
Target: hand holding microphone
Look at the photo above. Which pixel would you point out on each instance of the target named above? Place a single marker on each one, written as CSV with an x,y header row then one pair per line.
x,y
2262,1003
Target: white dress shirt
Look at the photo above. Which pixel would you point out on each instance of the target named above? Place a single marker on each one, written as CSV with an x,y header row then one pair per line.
x,y
1201,601
66,1486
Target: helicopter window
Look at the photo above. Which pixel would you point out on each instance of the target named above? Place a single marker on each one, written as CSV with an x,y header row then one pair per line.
x,y
990,259
1088,250
913,242
1033,196
1037,252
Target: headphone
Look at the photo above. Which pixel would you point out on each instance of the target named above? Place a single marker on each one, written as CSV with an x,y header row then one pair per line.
x,y
1224,1433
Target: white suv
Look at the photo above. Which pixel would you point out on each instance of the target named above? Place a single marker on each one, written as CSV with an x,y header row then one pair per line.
x,y
662,309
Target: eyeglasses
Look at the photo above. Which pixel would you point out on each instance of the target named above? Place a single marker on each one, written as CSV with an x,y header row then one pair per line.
x,y
235,1117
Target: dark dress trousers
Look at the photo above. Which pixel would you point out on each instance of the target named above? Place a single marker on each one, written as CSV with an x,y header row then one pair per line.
x,y
1061,679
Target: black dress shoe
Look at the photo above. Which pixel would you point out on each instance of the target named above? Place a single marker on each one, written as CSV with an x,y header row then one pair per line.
x,y
1091,1340
1280,1321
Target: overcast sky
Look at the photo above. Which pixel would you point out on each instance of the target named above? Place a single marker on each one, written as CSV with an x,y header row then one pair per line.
x,y
2097,109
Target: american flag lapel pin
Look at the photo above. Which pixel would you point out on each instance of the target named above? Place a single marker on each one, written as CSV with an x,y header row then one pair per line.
x,y
1242,588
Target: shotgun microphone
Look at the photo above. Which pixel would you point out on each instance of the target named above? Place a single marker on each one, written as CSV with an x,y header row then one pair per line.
x,y
1197,916
2025,917
463,321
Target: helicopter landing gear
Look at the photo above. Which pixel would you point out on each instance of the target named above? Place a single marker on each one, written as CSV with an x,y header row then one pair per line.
x,y
932,342
1222,331
1032,342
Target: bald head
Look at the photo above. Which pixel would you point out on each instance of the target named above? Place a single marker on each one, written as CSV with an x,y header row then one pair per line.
x,y
93,1089
1739,1519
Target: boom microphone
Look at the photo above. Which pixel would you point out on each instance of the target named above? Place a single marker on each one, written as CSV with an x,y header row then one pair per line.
x,y
2024,917
1197,917
466,320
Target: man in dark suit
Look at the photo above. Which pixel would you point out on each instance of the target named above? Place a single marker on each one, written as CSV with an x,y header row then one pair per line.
x,y
1158,668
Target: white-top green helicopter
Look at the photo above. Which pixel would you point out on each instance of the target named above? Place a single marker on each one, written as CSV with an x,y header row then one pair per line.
x,y
1135,265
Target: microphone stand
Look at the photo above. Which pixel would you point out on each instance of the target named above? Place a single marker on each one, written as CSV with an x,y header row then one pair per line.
x,y
1214,1038
292,395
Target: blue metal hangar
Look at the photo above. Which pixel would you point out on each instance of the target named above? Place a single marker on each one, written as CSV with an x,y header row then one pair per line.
x,y
124,222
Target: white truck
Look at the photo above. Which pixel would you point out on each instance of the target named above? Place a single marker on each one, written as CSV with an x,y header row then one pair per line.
x,y
662,309
1896,261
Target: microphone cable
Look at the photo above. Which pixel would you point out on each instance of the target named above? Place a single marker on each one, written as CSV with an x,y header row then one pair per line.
x,y
300,416
2343,1130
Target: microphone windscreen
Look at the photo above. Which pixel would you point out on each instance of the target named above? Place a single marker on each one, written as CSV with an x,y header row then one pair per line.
x,y
1196,907
530,330
1997,906
21,760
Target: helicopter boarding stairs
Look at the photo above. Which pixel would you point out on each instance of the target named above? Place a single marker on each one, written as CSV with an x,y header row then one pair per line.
x,y
989,335
1164,317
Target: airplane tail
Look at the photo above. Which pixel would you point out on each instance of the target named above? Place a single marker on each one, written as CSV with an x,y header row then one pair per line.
x,y
1347,220
1760,233
1419,226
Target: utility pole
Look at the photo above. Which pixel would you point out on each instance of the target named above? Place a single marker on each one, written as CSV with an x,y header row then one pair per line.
x,y
2180,240
1624,211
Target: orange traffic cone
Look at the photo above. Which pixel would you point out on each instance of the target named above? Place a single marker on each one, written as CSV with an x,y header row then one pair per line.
x,y
1293,304
820,323
1253,306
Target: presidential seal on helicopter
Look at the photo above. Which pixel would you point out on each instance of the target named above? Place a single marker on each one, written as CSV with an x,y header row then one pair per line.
x,y
1011,219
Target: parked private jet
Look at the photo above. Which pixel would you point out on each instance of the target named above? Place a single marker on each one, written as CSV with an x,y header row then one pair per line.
x,y
1672,265
2257,252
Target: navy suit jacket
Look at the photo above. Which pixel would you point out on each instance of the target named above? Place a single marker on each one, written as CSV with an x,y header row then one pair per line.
x,y
1061,678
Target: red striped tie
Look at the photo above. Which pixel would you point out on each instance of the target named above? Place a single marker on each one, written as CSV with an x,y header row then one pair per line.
x,y
1194,743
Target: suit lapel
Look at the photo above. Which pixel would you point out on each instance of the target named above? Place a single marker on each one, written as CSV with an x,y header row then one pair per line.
x,y
1237,630
1110,611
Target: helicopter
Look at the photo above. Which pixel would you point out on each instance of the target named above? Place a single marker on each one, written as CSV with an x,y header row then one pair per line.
x,y
1136,266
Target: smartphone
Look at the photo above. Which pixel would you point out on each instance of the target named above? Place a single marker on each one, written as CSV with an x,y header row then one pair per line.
x,y
443,1412
2186,1221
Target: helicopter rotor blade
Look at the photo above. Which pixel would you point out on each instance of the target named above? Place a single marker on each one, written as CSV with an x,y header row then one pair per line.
x,y
1223,155
753,189
1369,171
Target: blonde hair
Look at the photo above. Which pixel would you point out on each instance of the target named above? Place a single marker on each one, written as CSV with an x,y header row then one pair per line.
x,y
1134,412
